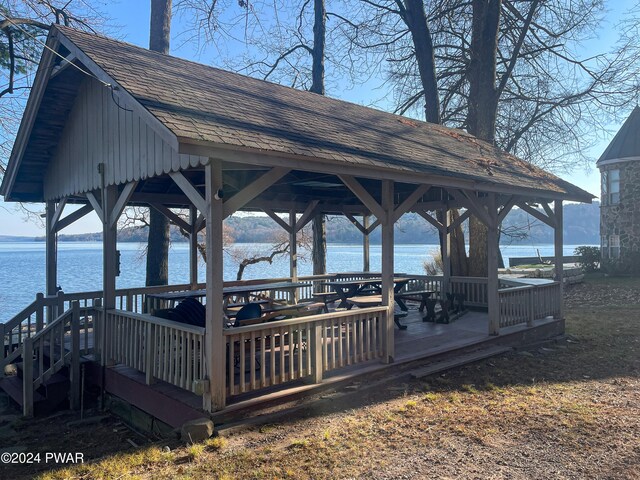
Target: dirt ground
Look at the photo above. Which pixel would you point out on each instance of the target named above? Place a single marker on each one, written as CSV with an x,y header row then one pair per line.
x,y
564,410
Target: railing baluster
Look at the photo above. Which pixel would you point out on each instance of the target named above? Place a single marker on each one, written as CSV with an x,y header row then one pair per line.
x,y
291,375
242,352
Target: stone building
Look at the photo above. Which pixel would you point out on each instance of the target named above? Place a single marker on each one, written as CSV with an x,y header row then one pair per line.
x,y
620,196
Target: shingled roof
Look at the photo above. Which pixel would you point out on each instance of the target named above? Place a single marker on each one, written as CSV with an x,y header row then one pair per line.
x,y
208,106
626,143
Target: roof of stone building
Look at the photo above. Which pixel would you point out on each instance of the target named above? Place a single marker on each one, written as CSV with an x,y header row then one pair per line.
x,y
626,143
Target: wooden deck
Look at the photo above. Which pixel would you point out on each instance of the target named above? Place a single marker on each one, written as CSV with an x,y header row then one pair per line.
x,y
421,340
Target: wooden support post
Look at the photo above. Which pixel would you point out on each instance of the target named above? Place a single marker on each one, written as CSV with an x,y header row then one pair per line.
x,y
59,310
214,339
446,253
193,247
492,266
99,332
109,252
39,312
558,246
51,263
74,394
387,270
27,377
366,259
293,254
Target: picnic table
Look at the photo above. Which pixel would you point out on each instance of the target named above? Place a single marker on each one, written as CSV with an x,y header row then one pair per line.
x,y
346,289
365,301
169,299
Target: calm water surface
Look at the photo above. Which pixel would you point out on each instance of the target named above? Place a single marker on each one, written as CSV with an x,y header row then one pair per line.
x,y
22,265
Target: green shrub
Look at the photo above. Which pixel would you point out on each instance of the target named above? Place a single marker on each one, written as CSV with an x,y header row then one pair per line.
x,y
589,258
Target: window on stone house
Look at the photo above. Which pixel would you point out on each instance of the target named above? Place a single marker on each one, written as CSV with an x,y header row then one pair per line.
x,y
613,187
604,185
614,246
604,246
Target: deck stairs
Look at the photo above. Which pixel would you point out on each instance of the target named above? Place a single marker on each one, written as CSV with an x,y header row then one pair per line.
x,y
40,361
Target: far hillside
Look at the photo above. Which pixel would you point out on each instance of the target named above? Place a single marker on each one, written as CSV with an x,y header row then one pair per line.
x,y
581,227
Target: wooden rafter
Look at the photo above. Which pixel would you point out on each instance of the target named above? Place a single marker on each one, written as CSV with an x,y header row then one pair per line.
x,y
96,205
476,207
278,220
550,213
58,213
536,213
365,197
190,191
73,217
306,217
427,216
356,223
506,208
121,203
199,223
458,221
410,201
172,216
254,189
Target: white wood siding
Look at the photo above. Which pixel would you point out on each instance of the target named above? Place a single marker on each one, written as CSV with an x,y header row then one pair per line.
x,y
98,130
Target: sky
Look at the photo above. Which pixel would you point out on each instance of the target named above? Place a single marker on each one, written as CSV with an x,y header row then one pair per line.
x,y
131,24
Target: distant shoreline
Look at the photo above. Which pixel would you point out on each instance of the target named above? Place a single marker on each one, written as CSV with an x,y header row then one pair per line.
x,y
40,240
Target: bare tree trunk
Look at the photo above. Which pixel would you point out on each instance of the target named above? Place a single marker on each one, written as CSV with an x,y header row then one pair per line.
x,y
319,252
459,261
416,19
158,239
157,249
483,107
319,34
413,15
319,249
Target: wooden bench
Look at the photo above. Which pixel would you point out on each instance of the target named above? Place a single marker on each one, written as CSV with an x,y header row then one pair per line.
x,y
326,298
242,304
442,316
417,295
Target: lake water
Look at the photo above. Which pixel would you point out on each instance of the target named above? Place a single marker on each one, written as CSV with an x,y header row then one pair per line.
x,y
22,265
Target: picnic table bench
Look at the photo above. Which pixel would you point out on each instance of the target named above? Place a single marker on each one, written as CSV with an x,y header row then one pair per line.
x,y
364,301
418,295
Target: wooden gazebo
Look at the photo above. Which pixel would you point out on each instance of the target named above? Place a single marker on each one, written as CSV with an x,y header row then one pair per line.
x,y
109,125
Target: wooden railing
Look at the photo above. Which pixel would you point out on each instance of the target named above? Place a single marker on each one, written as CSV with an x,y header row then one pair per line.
x,y
159,348
60,344
260,356
129,299
474,289
424,282
547,301
526,303
31,320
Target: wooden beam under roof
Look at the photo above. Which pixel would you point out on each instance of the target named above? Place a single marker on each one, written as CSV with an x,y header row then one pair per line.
x,y
298,162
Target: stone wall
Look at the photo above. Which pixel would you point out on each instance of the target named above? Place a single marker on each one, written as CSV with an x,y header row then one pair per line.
x,y
623,219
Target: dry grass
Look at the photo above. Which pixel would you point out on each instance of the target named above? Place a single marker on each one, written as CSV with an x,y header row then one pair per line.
x,y
566,411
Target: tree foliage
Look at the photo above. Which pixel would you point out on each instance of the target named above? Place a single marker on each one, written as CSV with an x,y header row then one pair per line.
x,y
24,25
552,93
